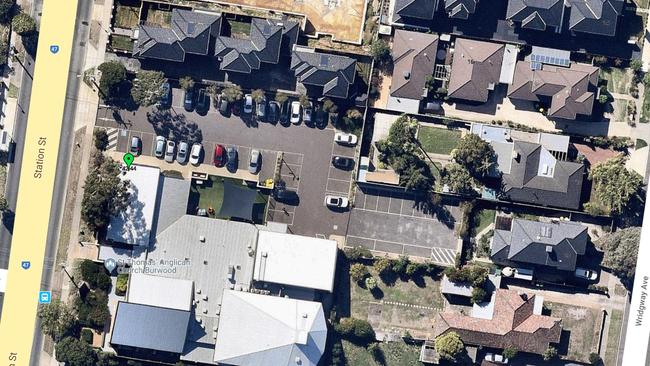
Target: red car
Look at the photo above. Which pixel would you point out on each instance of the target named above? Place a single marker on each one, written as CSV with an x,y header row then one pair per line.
x,y
219,156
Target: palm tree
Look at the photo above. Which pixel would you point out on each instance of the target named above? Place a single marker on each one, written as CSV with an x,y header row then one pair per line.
x,y
258,95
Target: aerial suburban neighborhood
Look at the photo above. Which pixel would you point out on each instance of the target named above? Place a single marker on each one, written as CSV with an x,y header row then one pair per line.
x,y
342,182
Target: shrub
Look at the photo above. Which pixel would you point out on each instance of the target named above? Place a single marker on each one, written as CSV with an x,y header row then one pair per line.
x,y
478,295
186,82
74,352
449,345
383,266
95,275
23,24
371,283
412,269
550,353
87,335
399,266
101,139
93,311
357,253
355,329
358,272
510,352
472,274
122,284
594,358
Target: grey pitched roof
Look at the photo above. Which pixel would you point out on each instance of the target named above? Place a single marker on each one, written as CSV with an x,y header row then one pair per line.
x,y
172,203
460,9
556,244
263,45
475,66
419,9
189,32
150,327
536,14
537,177
595,16
333,73
414,54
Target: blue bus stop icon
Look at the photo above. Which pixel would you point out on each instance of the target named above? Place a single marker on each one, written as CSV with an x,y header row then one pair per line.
x,y
44,297
25,264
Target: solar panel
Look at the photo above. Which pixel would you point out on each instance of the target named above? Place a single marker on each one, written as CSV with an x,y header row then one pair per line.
x,y
550,56
190,28
324,60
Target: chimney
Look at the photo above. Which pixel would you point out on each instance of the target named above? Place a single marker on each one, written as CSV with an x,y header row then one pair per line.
x,y
407,75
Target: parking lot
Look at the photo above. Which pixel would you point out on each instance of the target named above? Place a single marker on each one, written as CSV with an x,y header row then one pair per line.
x,y
305,165
395,222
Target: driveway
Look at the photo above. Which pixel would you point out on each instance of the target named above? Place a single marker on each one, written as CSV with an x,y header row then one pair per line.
x,y
394,222
305,152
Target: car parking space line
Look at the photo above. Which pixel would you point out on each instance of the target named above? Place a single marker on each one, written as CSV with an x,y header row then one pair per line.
x,y
394,242
412,216
339,180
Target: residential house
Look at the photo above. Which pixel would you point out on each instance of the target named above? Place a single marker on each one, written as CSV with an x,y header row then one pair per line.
x,y
460,9
264,43
323,73
567,91
414,56
190,32
597,17
408,12
510,319
554,245
475,69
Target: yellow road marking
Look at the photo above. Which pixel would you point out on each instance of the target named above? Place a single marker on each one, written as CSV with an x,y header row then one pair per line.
x,y
37,181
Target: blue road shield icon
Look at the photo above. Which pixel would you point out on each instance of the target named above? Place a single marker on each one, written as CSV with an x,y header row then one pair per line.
x,y
25,264
54,48
44,297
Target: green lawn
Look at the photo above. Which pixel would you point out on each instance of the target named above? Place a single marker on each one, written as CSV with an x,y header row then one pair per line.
x,y
583,325
120,42
483,219
438,140
645,110
242,28
127,16
615,324
618,80
394,354
210,195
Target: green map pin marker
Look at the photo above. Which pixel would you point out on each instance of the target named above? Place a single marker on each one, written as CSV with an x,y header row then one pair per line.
x,y
128,159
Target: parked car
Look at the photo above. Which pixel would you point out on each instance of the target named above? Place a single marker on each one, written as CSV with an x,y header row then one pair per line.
x,y
496,358
236,107
136,146
306,113
166,98
183,151
319,114
202,102
231,164
223,107
160,147
345,138
170,150
284,111
343,162
248,104
195,154
295,112
336,201
219,158
188,100
586,274
260,108
284,195
254,163
274,112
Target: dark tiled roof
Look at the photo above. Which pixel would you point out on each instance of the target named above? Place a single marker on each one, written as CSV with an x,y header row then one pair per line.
x,y
460,9
536,14
475,66
595,16
554,245
572,90
419,9
189,32
537,177
414,54
263,45
150,327
333,73
513,324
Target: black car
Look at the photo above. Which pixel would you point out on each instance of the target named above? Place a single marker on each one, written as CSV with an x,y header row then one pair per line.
x,y
231,155
342,162
188,100
202,102
284,114
274,112
166,98
224,107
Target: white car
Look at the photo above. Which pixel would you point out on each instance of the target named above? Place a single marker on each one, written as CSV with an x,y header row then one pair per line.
x,y
254,163
295,112
195,154
586,274
496,358
183,150
336,201
170,151
160,147
345,138
248,104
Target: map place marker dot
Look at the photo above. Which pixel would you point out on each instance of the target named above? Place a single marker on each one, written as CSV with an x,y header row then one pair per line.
x,y
128,159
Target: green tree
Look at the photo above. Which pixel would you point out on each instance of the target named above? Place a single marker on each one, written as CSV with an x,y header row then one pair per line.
x,y
186,83
594,358
380,51
105,194
113,75
358,272
615,185
147,88
57,319
106,359
371,283
258,95
549,354
74,352
620,251
646,79
412,269
475,154
101,139
458,178
6,10
383,266
356,329
281,97
356,253
636,65
232,93
93,310
303,99
94,274
449,345
603,99
510,352
4,205
400,265
329,106
354,114
478,295
23,24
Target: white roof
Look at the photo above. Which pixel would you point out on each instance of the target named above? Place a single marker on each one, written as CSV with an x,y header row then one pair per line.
x,y
3,280
133,225
508,64
295,260
269,330
159,291
405,105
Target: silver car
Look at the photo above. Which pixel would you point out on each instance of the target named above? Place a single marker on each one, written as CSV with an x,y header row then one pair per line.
x,y
195,154
183,150
170,151
254,164
160,147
